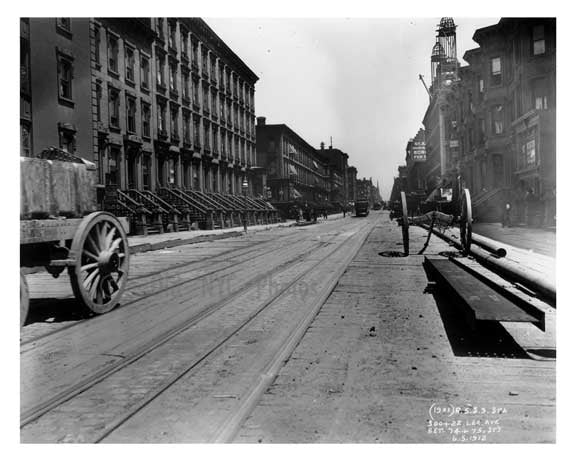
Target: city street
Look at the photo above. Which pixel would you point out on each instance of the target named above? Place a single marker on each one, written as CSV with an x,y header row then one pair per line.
x,y
319,333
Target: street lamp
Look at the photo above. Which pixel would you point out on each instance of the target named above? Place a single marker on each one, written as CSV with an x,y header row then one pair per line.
x,y
245,192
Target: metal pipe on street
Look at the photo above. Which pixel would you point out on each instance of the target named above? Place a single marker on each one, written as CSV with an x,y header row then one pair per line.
x,y
513,271
489,245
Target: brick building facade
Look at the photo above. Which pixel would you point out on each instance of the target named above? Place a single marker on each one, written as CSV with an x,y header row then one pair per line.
x,y
294,173
492,122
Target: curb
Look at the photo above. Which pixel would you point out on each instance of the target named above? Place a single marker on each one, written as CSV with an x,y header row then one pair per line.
x,y
174,242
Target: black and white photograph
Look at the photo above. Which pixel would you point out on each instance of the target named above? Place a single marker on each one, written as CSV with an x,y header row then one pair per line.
x,y
238,229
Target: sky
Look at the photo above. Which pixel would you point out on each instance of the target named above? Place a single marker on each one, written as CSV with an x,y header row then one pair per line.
x,y
355,80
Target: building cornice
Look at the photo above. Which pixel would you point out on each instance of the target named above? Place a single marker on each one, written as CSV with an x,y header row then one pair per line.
x,y
204,33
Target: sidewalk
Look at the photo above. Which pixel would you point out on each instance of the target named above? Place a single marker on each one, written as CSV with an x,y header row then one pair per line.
x,y
142,243
538,240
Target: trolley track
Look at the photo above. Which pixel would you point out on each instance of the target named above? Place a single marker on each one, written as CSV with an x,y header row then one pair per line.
x,y
35,412
150,283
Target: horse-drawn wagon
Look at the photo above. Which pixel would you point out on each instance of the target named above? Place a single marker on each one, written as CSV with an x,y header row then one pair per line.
x,y
60,228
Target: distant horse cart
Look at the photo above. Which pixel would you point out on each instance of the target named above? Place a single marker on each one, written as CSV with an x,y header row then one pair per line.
x,y
449,206
61,229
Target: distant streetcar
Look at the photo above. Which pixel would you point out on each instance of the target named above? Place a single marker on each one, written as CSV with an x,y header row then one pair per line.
x,y
362,207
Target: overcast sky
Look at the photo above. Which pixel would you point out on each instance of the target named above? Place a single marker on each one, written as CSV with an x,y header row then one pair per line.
x,y
353,79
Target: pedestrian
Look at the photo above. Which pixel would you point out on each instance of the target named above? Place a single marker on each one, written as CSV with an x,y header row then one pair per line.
x,y
343,211
507,212
325,214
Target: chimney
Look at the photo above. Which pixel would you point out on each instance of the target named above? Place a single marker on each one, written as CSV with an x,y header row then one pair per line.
x,y
322,145
260,121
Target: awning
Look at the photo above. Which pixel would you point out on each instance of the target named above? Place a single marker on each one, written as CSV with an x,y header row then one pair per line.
x,y
315,164
292,169
297,194
291,149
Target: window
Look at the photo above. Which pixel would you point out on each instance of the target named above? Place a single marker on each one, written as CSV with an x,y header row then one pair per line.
x,y
222,112
146,167
172,35
160,28
173,77
112,53
144,72
206,136
131,114
212,67
65,77
184,44
539,94
114,107
204,62
97,41
129,59
174,123
145,120
172,171
205,96
195,178
194,91
196,131
112,174
215,139
25,140
538,40
193,52
213,101
162,118
186,123
498,119
531,152
98,102
481,85
160,79
496,71
185,85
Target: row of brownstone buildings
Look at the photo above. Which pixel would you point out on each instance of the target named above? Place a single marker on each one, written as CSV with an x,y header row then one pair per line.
x,y
491,122
159,105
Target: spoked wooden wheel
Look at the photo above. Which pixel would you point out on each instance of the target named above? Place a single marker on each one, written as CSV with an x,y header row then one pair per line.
x,y
24,298
100,247
465,221
405,236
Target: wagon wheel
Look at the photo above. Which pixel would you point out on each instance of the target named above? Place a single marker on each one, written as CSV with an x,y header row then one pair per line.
x,y
405,237
465,221
24,298
99,275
